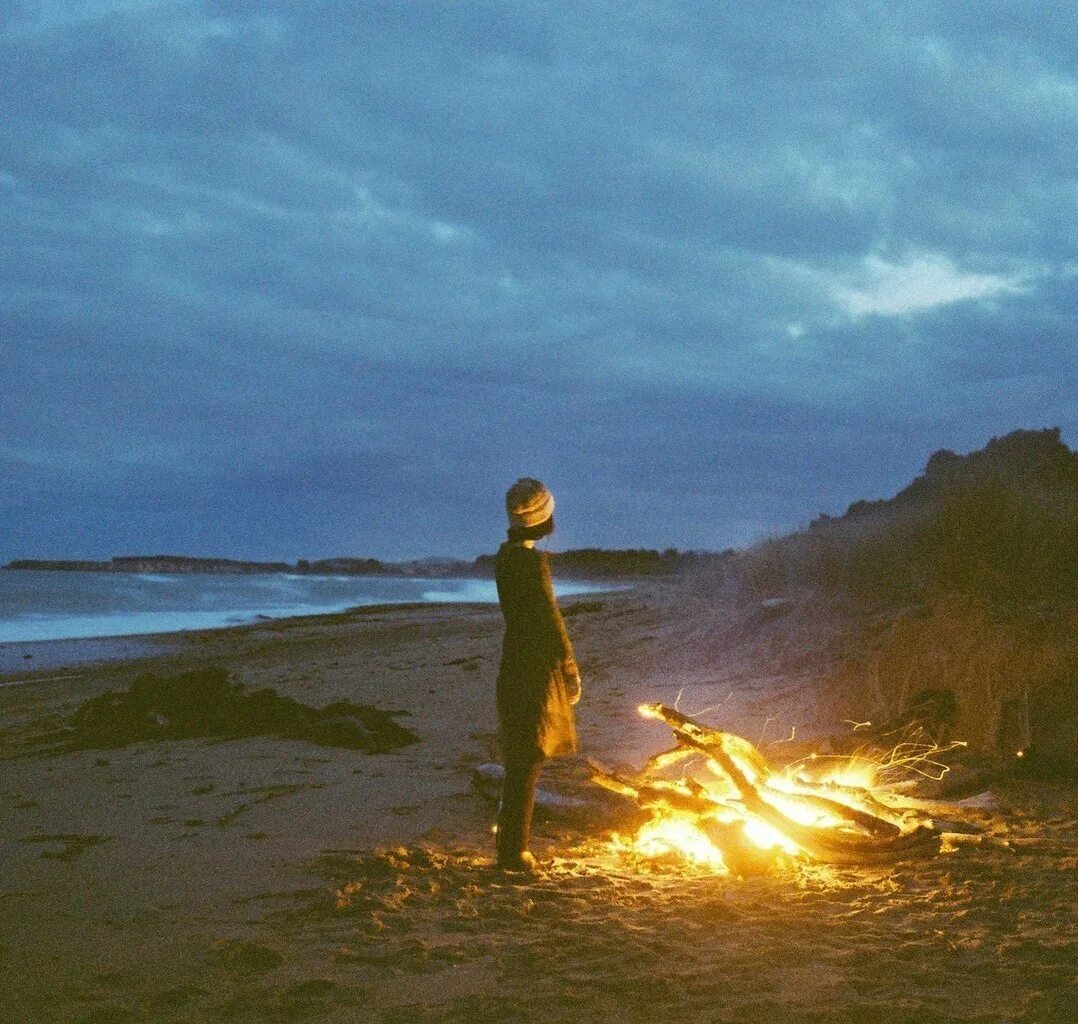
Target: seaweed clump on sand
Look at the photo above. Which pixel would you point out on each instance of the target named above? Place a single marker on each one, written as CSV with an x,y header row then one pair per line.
x,y
207,703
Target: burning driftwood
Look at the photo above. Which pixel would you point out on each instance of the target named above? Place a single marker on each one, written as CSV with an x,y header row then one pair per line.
x,y
748,810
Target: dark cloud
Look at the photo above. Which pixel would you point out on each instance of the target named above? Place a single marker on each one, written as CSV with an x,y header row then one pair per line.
x,y
327,277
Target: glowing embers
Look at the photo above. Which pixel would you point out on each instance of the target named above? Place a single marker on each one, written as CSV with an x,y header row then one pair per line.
x,y
745,812
674,834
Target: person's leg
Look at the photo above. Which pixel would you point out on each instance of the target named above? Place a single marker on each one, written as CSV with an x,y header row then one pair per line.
x,y
515,813
527,802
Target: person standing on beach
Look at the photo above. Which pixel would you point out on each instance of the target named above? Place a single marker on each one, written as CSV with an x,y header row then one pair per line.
x,y
538,679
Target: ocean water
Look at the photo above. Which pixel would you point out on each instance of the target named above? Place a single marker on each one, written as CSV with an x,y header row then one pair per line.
x,y
57,605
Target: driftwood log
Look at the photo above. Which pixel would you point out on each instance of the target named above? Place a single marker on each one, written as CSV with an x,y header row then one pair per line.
x,y
868,831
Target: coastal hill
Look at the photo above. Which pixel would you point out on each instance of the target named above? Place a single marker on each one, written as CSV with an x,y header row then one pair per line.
x,y
952,605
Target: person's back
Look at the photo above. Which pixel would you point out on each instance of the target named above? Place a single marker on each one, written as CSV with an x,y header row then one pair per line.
x,y
533,621
538,681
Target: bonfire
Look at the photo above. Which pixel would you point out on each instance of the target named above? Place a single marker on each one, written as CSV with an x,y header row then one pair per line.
x,y
745,813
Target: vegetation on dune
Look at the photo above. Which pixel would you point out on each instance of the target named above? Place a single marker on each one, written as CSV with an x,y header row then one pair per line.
x,y
999,525
955,601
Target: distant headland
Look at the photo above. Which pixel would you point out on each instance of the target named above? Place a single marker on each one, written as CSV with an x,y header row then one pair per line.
x,y
589,563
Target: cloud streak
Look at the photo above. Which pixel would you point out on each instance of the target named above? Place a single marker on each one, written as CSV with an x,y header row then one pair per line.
x,y
920,282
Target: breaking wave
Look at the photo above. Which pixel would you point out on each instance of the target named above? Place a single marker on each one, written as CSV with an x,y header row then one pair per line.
x,y
56,605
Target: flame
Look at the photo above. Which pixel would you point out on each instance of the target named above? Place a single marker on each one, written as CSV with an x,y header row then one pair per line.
x,y
675,834
810,793
764,836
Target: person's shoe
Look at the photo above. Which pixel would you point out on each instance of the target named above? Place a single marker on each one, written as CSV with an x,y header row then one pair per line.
x,y
525,863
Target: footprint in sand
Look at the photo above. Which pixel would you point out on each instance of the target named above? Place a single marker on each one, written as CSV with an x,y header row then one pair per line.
x,y
65,846
246,956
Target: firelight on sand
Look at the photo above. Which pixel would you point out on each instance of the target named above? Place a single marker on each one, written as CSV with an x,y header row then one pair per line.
x,y
744,812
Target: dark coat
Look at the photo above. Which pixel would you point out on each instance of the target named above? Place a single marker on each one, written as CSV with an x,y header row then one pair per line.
x,y
537,666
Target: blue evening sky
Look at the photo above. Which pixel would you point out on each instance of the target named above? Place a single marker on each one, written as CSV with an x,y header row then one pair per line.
x,y
287,279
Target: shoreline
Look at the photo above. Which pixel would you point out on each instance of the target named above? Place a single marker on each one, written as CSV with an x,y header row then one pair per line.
x,y
71,652
89,652
150,614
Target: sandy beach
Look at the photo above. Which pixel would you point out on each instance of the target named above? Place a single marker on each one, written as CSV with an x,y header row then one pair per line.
x,y
268,879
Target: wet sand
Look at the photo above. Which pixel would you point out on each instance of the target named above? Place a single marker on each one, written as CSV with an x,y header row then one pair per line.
x,y
263,879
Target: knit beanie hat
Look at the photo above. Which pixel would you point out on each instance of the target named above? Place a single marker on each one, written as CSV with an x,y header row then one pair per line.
x,y
528,503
